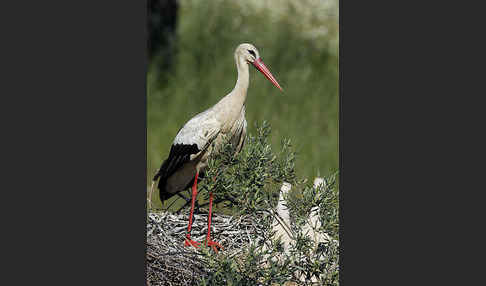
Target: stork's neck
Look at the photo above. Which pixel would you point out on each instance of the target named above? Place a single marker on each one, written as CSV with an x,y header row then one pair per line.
x,y
229,108
243,81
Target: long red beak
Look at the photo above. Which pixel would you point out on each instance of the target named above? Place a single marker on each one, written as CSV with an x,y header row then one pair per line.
x,y
264,70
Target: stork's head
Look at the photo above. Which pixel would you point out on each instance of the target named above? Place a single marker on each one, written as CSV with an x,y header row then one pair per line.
x,y
248,54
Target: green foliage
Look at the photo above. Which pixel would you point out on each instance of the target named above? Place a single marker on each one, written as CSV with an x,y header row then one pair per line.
x,y
251,182
240,179
203,71
255,268
325,196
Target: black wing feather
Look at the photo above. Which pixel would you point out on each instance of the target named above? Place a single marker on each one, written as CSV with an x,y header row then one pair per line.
x,y
178,156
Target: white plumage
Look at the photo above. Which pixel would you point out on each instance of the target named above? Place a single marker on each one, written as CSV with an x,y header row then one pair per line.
x,y
199,130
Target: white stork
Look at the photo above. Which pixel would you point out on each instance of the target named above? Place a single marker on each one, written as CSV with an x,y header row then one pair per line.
x,y
193,146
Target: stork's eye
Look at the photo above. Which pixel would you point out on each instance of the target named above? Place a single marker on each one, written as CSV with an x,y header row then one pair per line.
x,y
252,53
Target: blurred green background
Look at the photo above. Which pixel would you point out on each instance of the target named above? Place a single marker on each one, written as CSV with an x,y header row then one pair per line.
x,y
192,66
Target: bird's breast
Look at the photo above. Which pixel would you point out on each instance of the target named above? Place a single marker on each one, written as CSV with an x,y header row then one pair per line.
x,y
234,131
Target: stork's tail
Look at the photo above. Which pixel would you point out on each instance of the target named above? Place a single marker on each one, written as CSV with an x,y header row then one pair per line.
x,y
151,191
149,195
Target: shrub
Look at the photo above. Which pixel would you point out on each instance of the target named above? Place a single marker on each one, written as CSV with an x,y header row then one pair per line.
x,y
249,183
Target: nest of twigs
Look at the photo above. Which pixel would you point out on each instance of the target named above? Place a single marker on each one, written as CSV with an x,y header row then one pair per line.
x,y
170,263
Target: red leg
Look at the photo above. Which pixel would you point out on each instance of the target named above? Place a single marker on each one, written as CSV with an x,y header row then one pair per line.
x,y
209,242
188,240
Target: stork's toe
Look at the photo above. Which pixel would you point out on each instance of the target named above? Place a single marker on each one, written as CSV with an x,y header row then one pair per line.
x,y
214,245
190,242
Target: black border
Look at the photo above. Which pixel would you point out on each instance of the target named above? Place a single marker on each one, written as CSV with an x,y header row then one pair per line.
x,y
75,163
408,102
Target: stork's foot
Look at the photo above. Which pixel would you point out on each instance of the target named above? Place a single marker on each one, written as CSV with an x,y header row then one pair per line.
x,y
214,245
190,242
